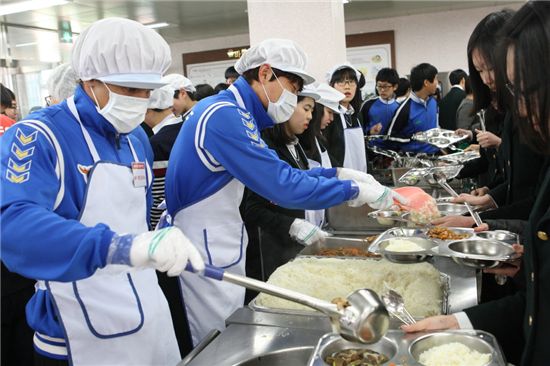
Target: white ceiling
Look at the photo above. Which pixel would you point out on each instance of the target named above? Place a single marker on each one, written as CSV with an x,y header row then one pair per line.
x,y
188,19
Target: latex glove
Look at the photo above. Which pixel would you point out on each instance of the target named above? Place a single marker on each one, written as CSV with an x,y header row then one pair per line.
x,y
166,250
376,196
488,139
355,175
305,232
439,322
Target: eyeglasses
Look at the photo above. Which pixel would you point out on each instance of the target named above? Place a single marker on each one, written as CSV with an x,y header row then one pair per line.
x,y
349,82
383,87
48,100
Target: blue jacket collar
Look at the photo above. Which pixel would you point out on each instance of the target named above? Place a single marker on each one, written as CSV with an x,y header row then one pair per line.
x,y
253,104
89,115
389,101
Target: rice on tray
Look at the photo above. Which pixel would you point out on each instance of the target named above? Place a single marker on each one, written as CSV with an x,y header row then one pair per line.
x,y
328,278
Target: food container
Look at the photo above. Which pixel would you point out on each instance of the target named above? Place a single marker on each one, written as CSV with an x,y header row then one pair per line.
x,y
480,253
344,218
404,349
333,242
500,235
407,257
460,157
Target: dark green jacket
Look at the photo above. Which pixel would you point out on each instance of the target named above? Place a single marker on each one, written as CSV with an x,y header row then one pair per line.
x,y
521,322
448,106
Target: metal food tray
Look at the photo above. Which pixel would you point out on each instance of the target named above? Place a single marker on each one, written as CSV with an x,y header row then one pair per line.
x,y
391,217
460,157
404,349
438,137
333,242
445,304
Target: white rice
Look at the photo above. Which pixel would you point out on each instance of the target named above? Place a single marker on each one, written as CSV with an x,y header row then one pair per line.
x,y
327,278
453,354
403,245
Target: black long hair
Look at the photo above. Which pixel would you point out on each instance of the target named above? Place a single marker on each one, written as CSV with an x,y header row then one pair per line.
x,y
528,32
307,138
484,38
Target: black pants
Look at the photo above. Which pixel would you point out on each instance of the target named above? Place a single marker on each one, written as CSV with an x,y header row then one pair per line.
x,y
17,346
40,360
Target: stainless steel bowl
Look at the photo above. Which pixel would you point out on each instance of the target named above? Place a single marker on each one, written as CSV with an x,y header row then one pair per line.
x,y
480,253
385,217
449,134
428,341
407,232
407,257
384,346
500,235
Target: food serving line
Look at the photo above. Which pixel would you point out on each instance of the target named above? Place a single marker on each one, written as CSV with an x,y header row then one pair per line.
x,y
259,335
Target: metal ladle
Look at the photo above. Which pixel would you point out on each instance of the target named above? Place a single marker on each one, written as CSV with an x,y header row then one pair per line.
x,y
365,320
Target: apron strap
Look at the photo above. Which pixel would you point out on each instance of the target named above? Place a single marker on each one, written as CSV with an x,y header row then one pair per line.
x,y
87,137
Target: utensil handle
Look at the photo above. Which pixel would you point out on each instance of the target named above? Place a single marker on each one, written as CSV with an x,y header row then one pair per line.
x,y
219,274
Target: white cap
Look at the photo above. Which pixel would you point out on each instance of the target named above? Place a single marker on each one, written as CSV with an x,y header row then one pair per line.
x,y
178,81
282,54
309,91
62,82
330,97
345,65
161,98
121,52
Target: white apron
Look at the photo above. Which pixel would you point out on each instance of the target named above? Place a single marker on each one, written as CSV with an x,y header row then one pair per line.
x,y
317,217
215,226
355,155
118,316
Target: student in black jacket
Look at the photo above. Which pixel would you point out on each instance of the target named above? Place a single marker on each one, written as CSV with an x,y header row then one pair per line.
x,y
450,102
277,233
521,322
345,136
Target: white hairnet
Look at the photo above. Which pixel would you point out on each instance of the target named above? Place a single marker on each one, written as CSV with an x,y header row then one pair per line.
x,y
345,65
121,52
161,98
62,82
282,54
330,97
178,82
309,91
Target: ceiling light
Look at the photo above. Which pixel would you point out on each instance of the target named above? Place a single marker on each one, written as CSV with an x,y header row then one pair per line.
x,y
29,5
26,44
157,25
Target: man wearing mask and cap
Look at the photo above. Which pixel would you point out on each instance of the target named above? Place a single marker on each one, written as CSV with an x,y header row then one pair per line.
x,y
75,197
219,150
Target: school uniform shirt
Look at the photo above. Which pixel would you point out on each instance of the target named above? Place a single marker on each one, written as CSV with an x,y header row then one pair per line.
x,y
414,115
43,191
375,111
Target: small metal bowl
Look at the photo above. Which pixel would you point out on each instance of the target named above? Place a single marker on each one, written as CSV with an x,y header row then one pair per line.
x,y
480,253
500,235
407,257
385,217
426,342
407,232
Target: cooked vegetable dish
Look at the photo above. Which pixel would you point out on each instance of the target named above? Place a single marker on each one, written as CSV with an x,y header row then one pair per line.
x,y
356,357
442,233
347,252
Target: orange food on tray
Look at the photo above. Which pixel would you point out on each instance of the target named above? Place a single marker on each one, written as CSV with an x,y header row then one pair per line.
x,y
347,252
422,206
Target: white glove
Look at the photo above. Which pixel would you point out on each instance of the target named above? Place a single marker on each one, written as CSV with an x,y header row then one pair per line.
x,y
305,232
166,250
355,175
376,196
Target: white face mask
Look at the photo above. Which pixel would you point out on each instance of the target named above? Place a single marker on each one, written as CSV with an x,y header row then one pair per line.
x,y
123,112
281,110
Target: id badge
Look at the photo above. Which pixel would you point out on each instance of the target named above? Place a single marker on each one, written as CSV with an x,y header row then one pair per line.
x,y
138,172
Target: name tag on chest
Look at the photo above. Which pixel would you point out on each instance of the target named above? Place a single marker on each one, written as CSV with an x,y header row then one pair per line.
x,y
138,173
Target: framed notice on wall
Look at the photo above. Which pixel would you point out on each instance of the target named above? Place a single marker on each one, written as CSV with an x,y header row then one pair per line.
x,y
211,73
369,60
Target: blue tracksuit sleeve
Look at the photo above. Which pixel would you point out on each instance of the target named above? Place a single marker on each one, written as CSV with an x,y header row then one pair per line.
x,y
322,172
238,148
36,241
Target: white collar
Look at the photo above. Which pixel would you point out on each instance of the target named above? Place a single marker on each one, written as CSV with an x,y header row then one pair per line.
x,y
390,101
457,86
343,109
167,121
419,100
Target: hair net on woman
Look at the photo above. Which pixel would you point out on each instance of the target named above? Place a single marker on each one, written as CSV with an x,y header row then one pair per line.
x,y
62,82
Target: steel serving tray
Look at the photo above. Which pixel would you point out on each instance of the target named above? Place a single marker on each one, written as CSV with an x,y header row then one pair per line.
x,y
438,137
404,349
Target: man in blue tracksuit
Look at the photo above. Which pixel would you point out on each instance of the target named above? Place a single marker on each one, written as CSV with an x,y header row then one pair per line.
x,y
378,112
75,195
219,150
418,112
